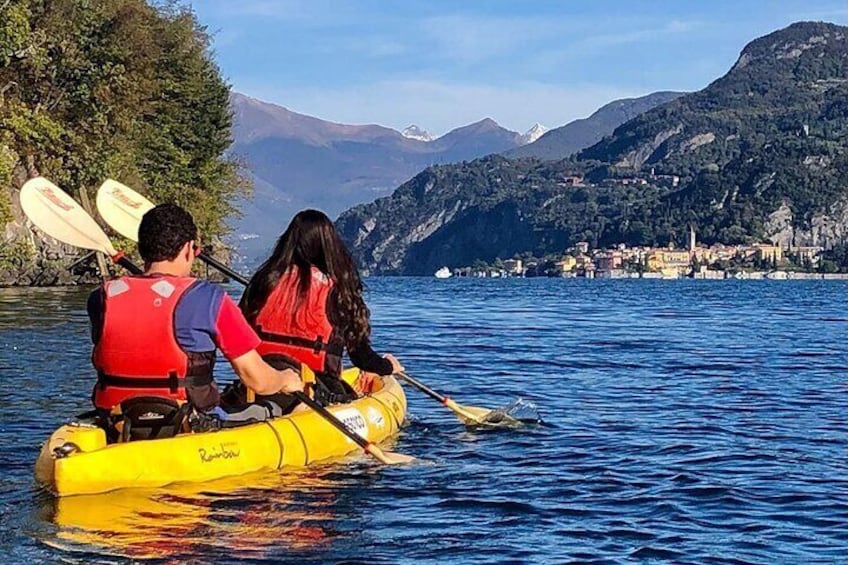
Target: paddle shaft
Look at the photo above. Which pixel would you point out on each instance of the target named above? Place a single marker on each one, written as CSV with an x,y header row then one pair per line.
x,y
134,269
424,388
327,415
467,414
124,262
211,261
123,208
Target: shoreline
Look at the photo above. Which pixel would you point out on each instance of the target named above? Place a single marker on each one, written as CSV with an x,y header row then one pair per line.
x,y
633,276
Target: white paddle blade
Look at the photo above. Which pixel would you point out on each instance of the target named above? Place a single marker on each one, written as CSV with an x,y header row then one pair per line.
x,y
122,208
58,215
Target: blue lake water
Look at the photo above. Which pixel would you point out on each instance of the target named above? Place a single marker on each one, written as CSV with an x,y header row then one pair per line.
x,y
692,422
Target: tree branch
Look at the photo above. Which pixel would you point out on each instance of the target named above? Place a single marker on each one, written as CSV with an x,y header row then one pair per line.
x,y
7,86
31,169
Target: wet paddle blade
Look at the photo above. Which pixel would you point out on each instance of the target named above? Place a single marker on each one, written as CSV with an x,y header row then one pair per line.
x,y
515,415
58,215
389,457
499,419
470,415
122,208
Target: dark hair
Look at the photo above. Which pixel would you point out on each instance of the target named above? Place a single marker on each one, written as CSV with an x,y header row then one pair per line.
x,y
163,231
311,240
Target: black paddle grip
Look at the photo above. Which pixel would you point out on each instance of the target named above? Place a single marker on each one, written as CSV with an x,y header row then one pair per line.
x,y
129,265
212,262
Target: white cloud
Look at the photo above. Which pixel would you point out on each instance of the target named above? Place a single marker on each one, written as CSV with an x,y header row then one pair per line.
x,y
593,43
474,38
441,106
369,46
312,13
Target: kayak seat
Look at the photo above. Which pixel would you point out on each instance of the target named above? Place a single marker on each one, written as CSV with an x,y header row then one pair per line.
x,y
329,390
234,400
149,417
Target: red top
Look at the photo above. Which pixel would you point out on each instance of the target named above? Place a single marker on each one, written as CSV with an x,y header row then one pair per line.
x,y
232,334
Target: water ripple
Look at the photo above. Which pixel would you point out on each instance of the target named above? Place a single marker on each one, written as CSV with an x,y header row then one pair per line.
x,y
693,422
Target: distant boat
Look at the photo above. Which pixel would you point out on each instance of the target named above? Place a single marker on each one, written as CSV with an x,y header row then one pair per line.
x,y
443,273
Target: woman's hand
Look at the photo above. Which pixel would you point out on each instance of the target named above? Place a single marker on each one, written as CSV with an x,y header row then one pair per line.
x,y
364,383
396,366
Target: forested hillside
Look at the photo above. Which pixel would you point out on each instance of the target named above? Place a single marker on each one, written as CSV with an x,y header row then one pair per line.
x,y
761,153
107,88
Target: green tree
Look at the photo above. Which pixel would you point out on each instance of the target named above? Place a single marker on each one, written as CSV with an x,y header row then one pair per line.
x,y
91,89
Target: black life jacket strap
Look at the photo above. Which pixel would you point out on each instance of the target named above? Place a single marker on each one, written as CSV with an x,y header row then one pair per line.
x,y
172,382
281,362
317,345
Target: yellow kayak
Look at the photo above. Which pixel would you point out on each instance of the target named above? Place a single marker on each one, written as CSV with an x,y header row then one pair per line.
x,y
77,460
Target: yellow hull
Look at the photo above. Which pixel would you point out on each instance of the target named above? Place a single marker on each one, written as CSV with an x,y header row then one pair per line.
x,y
294,440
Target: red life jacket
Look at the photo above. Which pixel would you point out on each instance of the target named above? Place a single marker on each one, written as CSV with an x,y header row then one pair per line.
x,y
305,334
138,353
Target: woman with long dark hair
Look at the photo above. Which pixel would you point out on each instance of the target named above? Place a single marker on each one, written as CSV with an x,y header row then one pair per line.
x,y
306,304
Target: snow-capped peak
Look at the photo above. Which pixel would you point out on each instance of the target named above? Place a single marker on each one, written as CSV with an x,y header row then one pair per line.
x,y
534,133
415,132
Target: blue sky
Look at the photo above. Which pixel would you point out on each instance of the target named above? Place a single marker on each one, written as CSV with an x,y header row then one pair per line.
x,y
441,65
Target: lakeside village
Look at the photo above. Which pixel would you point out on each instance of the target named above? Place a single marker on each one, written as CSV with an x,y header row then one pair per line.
x,y
756,261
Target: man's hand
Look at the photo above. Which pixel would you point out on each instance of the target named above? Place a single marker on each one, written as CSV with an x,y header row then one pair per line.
x,y
262,378
291,381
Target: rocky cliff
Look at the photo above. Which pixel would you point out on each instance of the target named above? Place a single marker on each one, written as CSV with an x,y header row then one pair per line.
x,y
29,258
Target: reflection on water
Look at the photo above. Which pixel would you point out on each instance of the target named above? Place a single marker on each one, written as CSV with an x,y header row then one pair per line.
x,y
41,307
249,516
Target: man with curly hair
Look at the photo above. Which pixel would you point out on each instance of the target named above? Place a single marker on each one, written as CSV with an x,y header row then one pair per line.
x,y
156,335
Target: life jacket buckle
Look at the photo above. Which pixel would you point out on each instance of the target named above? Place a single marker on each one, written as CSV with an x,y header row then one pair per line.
x,y
173,382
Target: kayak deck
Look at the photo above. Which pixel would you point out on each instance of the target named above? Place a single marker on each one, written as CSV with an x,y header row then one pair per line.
x,y
77,460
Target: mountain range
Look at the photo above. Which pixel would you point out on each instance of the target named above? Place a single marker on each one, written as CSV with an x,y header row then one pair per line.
x,y
564,141
299,161
760,153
